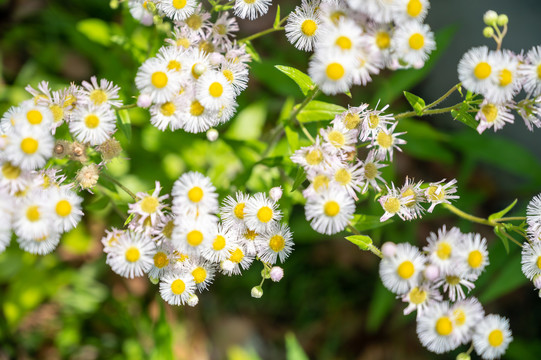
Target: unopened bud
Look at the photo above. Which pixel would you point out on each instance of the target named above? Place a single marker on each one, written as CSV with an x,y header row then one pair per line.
x,y
265,273
537,282
113,4
463,356
257,292
276,193
212,134
199,69
490,17
432,272
109,149
193,300
144,101
216,58
276,273
154,280
488,32
227,265
502,20
88,176
388,249
147,19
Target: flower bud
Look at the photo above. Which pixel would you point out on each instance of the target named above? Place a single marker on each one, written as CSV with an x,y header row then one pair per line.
x,y
144,101
88,176
154,280
216,58
432,272
147,19
463,356
537,281
212,134
193,300
502,20
199,69
276,273
388,249
490,17
257,292
276,193
488,32
227,265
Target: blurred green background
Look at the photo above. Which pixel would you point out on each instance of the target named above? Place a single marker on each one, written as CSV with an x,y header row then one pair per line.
x,y
70,305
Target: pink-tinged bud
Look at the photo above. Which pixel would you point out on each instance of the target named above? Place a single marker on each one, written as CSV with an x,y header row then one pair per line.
x,y
216,58
388,249
147,19
144,101
432,272
276,273
537,282
276,193
212,134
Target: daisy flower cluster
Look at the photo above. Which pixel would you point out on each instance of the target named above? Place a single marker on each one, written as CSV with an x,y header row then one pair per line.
x,y
36,199
499,76
447,267
184,246
531,250
194,79
355,39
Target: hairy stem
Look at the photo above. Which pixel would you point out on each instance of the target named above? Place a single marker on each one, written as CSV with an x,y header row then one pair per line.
x,y
117,183
259,34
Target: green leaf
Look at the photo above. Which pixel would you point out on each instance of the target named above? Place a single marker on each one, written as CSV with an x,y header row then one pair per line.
x,y
500,232
368,222
96,30
318,111
294,350
362,241
252,51
292,138
304,81
463,116
417,104
276,24
299,178
124,123
248,124
501,214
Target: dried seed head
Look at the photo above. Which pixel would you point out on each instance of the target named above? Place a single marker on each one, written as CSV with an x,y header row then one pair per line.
x,y
78,152
62,148
109,149
88,176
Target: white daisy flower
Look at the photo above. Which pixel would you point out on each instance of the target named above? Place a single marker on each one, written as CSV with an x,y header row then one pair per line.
x,y
453,283
12,178
155,79
9,118
385,141
466,314
476,70
261,213
32,220
221,246
377,10
274,244
236,74
93,124
110,239
413,42
199,22
193,193
352,118
531,259
410,10
177,9
312,158
319,181
343,37
197,118
224,28
330,210
350,177
29,148
401,272
100,94
413,191
65,207
192,236
332,71
338,139
176,287
237,260
436,330
214,91
168,114
493,115
41,245
379,39
419,298
232,210
369,63
506,83
438,193
395,204
302,27
140,12
162,260
492,337
183,38
533,211
530,111
251,9
198,62
371,173
530,71
132,255
174,57
33,115
202,273
149,207
474,254
373,121
442,248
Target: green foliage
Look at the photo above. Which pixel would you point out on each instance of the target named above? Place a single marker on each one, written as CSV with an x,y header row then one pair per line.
x,y
304,81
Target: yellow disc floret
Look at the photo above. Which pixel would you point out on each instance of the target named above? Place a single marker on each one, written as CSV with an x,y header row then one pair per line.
x,y
495,338
63,208
414,8
309,27
482,70
149,204
195,194
405,270
219,243
335,71
199,274
179,4
444,326
417,41
383,40
98,96
417,296
444,250
32,213
264,214
92,121
159,79
239,210
277,243
132,254
392,205
344,43
216,89
29,145
194,237
331,208
161,260
475,259
34,117
178,287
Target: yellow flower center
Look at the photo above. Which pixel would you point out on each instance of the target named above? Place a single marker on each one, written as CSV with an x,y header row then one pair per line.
x,y
351,121
482,70
168,229
92,121
63,208
373,121
444,250
98,96
539,71
336,138
320,181
160,260
444,326
149,204
194,22
228,75
335,71
195,194
219,243
132,254
309,27
459,316
414,8
495,338
264,214
370,171
32,213
506,77
383,40
58,112
314,157
342,176
29,145
236,256
392,205
407,193
178,287
452,280
183,42
384,140
179,4
34,117
344,43
433,195
405,270
168,108
159,79
250,235
417,296
174,65
196,109
239,210
475,259
194,237
277,243
539,262
10,172
216,89
331,208
417,41
199,275
490,111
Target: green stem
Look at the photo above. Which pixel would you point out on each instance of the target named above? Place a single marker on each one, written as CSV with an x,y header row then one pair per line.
x,y
116,182
429,112
443,97
373,249
311,96
259,34
130,106
512,218
509,237
469,217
